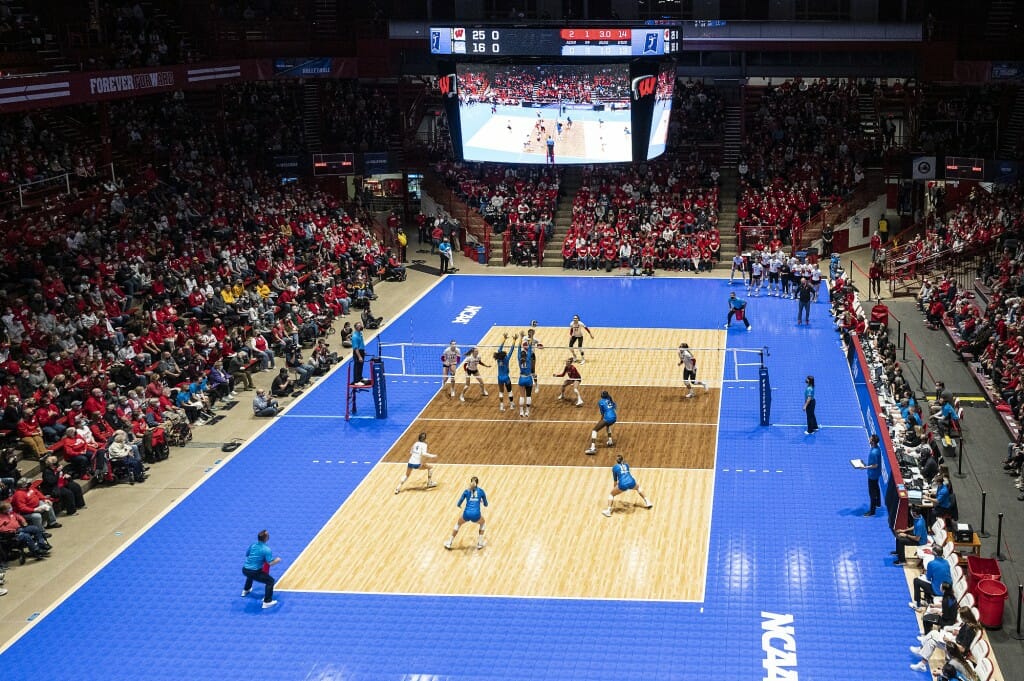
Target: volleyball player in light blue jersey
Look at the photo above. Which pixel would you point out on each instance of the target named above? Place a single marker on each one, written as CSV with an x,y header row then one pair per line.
x,y
608,418
524,357
624,481
501,359
473,496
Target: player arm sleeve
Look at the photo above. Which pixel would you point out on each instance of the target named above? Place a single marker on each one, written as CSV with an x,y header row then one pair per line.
x,y
483,497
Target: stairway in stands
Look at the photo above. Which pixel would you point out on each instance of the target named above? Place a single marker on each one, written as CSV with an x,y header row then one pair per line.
x,y
572,180
1010,139
727,214
868,115
311,117
733,137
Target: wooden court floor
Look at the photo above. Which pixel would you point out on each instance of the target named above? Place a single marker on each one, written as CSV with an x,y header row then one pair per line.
x,y
546,536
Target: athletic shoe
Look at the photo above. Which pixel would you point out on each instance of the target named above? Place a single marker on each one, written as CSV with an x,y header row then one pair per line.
x,y
431,483
921,666
591,451
53,526
921,638
868,514
607,513
689,394
451,394
397,490
480,544
914,605
462,398
725,326
527,413
501,407
486,393
521,413
583,360
649,505
899,562
269,604
807,432
610,443
579,402
3,592
448,544
705,386
916,651
245,592
561,397
750,328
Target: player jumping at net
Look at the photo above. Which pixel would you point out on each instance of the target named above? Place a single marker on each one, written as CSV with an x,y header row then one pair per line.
x,y
472,367
525,361
576,329
572,378
531,335
449,365
416,454
473,497
624,481
501,359
689,364
608,417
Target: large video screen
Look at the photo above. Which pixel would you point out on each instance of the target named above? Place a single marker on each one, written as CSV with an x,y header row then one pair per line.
x,y
548,113
662,109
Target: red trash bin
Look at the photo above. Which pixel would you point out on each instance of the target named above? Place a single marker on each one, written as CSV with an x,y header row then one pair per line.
x,y
981,568
991,599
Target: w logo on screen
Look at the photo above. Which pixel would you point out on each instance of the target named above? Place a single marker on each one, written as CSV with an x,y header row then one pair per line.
x,y
447,85
644,86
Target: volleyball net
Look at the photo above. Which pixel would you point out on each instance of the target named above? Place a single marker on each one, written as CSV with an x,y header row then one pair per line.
x,y
635,366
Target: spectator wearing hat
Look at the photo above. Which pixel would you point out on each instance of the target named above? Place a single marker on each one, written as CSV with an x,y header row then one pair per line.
x,y
30,503
58,485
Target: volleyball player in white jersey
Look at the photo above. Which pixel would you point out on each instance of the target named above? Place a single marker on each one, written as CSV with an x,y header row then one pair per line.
x,y
449,365
774,285
816,281
756,270
689,364
737,266
576,329
416,454
472,367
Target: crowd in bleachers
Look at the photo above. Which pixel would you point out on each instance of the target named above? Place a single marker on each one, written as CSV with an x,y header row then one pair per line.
x,y
30,150
356,117
698,114
660,215
19,29
964,124
519,199
129,321
804,146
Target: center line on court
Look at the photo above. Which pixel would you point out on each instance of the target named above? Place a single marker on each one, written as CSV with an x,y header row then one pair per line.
x,y
532,420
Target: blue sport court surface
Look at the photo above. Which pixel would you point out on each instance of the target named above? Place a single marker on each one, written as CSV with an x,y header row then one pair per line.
x,y
798,584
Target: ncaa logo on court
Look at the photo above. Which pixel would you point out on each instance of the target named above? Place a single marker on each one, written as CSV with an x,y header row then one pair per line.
x,y
644,86
467,314
778,641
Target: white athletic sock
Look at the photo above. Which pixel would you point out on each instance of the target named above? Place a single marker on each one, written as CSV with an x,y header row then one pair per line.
x,y
593,436
529,401
522,401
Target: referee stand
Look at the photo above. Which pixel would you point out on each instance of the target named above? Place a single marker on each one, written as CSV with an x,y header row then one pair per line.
x,y
377,387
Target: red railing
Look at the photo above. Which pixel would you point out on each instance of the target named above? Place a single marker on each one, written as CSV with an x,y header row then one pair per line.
x,y
506,246
749,234
469,218
541,243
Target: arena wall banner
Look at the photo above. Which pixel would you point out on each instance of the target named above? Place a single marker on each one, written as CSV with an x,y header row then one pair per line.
x,y
63,89
306,67
34,92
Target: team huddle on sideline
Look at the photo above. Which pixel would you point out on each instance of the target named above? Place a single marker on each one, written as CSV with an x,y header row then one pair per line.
x,y
774,272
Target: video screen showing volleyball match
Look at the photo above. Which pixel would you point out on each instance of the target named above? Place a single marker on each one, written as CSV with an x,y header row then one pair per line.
x,y
662,109
547,113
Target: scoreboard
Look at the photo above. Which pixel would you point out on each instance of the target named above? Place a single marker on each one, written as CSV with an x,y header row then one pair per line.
x,y
606,41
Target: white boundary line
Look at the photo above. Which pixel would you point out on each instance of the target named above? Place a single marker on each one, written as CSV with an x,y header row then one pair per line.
x,y
196,485
710,510
471,595
546,465
804,426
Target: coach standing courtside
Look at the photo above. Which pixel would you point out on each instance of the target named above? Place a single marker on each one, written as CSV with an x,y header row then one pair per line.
x,y
258,561
874,469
